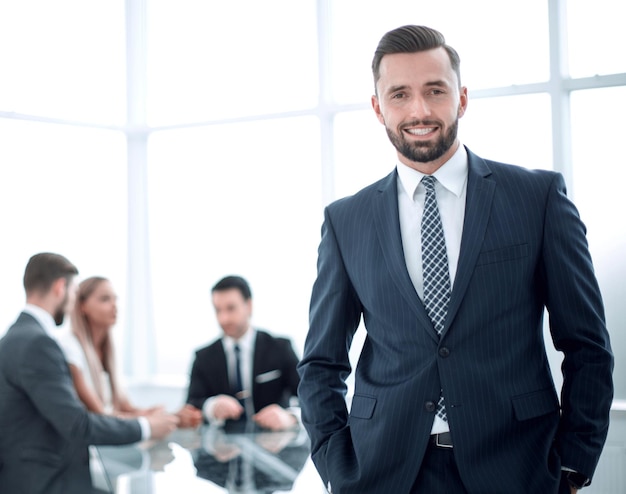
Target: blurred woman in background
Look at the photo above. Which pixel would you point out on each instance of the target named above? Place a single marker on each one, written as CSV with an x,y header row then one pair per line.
x,y
89,350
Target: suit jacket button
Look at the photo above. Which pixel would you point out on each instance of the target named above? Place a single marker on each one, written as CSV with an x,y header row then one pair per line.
x,y
444,352
429,406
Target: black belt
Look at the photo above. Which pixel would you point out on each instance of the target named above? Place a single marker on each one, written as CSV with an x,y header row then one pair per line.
x,y
443,440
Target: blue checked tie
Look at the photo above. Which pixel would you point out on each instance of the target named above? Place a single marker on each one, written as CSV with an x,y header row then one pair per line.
x,y
434,267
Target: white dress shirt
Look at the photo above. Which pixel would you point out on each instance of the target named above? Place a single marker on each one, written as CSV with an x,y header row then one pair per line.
x,y
246,352
246,348
450,188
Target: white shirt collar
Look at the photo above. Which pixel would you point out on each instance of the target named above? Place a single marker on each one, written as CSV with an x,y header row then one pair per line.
x,y
245,342
43,317
451,175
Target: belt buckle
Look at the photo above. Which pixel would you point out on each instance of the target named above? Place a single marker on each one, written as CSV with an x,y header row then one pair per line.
x,y
441,445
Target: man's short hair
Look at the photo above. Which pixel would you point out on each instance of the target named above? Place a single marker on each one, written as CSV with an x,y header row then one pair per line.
x,y
236,282
413,39
44,269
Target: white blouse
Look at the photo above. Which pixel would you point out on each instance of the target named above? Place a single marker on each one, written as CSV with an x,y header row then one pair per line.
x,y
75,355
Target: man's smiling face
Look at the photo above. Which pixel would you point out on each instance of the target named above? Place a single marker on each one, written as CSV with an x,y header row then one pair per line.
x,y
419,102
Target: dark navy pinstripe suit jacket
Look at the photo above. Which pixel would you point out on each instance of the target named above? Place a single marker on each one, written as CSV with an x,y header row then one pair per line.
x,y
523,248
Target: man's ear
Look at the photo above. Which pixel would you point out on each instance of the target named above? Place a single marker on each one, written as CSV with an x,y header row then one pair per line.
x,y
377,110
463,100
59,287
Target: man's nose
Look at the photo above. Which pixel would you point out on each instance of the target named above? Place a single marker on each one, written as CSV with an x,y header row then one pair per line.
x,y
420,108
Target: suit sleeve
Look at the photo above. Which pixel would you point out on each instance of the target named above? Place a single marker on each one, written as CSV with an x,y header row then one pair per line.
x,y
198,392
335,313
577,325
290,371
47,381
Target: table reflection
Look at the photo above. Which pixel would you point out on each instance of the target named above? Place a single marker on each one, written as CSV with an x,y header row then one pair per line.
x,y
252,461
238,458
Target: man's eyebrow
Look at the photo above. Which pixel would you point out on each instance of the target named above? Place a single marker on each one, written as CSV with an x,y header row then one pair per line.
x,y
400,87
437,83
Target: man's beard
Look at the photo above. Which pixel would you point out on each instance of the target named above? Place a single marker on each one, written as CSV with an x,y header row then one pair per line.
x,y
59,313
424,152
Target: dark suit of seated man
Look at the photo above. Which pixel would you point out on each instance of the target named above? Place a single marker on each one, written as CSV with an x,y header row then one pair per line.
x,y
245,374
45,430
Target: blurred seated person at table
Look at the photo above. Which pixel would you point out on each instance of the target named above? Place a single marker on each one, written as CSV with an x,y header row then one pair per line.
x,y
267,377
88,348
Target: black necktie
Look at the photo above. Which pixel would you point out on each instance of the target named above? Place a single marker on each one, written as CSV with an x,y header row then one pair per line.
x,y
238,380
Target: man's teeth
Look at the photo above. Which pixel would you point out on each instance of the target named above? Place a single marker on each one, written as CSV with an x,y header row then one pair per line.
x,y
421,132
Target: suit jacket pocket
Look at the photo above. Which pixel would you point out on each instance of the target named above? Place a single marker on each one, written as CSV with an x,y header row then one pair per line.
x,y
268,376
362,406
508,253
535,404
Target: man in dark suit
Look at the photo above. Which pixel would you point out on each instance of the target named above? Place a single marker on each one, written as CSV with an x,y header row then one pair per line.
x,y
45,430
266,367
451,275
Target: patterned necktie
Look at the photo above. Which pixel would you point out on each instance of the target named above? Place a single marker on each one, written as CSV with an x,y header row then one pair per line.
x,y
434,267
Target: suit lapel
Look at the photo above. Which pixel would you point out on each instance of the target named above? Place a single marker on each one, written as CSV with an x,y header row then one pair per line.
x,y
218,356
258,354
387,224
480,191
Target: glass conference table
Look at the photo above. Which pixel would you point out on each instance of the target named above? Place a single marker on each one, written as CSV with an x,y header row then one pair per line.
x,y
210,459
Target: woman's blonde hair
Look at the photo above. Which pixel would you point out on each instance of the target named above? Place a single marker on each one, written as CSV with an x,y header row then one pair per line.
x,y
83,332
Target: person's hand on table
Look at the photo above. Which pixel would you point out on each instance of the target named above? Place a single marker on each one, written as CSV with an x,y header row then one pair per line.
x,y
161,424
189,416
227,408
275,418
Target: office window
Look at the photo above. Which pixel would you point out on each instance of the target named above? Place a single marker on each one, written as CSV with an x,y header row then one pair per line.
x,y
233,199
209,61
600,172
596,37
63,59
62,189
